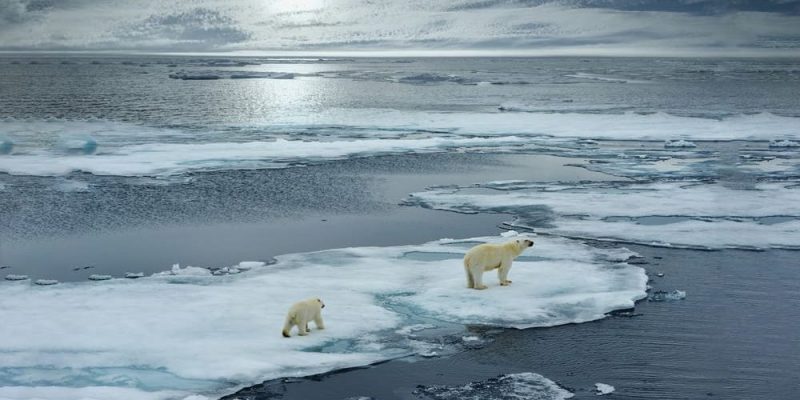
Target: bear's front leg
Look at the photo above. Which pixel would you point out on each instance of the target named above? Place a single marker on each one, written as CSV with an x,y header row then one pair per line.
x,y
502,273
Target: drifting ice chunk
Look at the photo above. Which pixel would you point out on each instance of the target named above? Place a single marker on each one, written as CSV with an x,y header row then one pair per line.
x,y
679,144
783,143
45,282
99,277
248,265
509,234
194,77
660,295
6,146
603,389
526,385
13,277
134,275
84,146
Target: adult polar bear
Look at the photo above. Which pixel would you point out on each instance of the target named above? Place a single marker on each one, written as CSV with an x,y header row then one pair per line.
x,y
301,313
489,256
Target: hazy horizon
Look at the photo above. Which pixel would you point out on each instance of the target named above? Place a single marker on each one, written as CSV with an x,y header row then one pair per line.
x,y
688,28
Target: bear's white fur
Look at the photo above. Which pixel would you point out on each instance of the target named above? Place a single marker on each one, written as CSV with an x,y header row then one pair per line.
x,y
489,256
301,313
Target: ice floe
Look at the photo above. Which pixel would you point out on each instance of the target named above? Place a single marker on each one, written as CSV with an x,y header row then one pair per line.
x,y
161,338
603,389
214,75
296,137
525,385
16,277
173,158
6,146
662,295
784,143
680,143
670,214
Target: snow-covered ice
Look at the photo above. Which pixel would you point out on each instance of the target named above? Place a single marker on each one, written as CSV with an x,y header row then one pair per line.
x,y
525,385
603,389
680,143
16,277
134,150
171,335
679,214
661,295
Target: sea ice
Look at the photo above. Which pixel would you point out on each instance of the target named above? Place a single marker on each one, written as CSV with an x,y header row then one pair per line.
x,y
784,143
603,389
661,295
155,337
525,385
6,146
45,282
99,277
15,277
677,214
679,144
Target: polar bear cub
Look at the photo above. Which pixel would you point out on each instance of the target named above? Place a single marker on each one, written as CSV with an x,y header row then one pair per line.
x,y
301,313
489,256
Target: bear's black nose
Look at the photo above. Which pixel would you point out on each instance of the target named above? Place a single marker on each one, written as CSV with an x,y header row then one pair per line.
x,y
530,243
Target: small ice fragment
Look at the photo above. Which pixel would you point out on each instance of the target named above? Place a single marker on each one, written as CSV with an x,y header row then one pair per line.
x,y
6,146
233,270
780,143
407,330
429,354
679,144
13,277
46,282
660,274
603,389
99,277
248,265
509,234
470,338
660,295
78,145
134,275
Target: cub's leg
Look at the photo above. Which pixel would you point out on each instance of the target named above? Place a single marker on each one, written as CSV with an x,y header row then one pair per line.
x,y
470,281
318,322
302,326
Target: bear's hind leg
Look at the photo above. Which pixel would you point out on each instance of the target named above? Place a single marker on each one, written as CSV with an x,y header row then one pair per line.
x,y
470,281
477,276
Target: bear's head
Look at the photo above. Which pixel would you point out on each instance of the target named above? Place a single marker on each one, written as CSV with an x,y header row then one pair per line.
x,y
524,243
321,304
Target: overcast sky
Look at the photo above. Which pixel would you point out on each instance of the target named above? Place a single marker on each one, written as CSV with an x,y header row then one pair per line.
x,y
621,27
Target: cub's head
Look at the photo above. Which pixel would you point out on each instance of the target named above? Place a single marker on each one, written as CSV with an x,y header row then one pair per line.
x,y
321,304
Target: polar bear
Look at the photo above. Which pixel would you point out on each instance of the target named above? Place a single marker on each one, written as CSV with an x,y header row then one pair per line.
x,y
489,256
301,313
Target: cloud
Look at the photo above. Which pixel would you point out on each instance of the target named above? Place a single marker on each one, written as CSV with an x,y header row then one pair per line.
x,y
584,26
193,29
